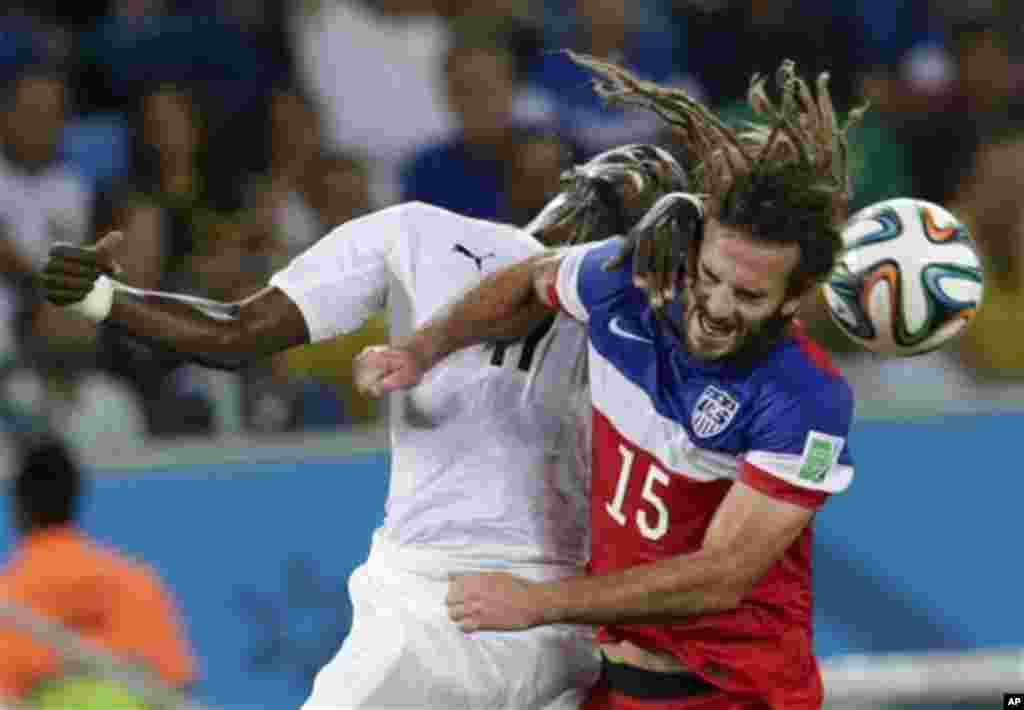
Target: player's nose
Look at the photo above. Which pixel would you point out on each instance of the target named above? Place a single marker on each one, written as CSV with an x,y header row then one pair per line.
x,y
718,303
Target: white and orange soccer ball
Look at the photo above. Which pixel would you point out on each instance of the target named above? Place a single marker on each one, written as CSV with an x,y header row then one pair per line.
x,y
909,279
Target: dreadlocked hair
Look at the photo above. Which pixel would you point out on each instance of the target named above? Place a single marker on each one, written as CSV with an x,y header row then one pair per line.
x,y
799,127
785,176
784,204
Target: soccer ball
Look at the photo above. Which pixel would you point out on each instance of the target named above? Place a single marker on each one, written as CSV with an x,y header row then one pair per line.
x,y
908,280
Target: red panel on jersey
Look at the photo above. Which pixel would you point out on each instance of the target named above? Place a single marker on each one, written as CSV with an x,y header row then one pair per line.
x,y
813,351
626,525
645,512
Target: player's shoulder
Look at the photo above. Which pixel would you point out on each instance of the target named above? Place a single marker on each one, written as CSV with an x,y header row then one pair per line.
x,y
432,226
798,370
416,211
583,266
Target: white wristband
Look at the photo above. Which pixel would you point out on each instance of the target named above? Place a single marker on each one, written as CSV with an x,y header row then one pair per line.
x,y
96,306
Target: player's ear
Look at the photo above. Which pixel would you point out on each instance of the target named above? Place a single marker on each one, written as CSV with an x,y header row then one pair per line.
x,y
790,307
792,304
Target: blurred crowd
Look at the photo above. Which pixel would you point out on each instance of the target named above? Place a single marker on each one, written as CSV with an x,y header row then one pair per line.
x,y
224,137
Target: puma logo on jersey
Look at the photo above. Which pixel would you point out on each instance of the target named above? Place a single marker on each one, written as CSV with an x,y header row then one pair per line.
x,y
478,260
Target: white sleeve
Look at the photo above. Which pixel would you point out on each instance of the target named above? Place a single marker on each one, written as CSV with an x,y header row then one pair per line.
x,y
582,282
344,278
347,276
567,280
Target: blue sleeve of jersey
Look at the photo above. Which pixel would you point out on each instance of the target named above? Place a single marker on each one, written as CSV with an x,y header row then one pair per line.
x,y
785,423
800,438
798,443
594,285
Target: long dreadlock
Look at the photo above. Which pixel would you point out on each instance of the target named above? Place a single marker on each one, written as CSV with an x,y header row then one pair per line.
x,y
800,127
783,178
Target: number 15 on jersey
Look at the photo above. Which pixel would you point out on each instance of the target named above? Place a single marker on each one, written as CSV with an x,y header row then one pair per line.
x,y
650,516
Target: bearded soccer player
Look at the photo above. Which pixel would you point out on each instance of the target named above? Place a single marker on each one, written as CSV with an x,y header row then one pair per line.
x,y
505,408
718,429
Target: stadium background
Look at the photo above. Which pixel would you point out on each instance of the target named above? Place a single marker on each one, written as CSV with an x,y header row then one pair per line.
x,y
228,135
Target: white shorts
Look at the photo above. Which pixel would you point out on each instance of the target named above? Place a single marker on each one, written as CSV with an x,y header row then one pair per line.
x,y
404,652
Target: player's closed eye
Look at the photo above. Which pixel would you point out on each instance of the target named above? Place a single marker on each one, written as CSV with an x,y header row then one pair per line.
x,y
742,295
749,297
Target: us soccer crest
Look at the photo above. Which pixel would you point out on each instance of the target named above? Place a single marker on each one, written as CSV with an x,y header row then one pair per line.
x,y
714,410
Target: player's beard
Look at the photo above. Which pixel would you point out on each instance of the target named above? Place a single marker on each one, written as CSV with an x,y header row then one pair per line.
x,y
688,321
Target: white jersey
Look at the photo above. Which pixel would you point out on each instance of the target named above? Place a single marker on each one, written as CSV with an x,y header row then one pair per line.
x,y
487,455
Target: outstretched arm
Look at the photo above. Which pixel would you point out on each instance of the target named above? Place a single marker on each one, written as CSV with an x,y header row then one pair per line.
x,y
512,302
507,305
225,335
216,334
798,457
748,534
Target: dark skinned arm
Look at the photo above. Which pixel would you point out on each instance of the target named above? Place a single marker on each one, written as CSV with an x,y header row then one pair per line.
x,y
213,333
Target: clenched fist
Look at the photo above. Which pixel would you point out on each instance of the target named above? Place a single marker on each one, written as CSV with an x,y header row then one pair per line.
x,y
381,369
71,271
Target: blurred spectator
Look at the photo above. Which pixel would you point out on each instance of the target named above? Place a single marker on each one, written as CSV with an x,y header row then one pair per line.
x,y
562,24
304,388
534,173
342,191
74,16
294,146
902,34
42,200
609,29
295,135
226,57
172,158
65,393
93,409
59,573
306,192
263,23
731,42
376,68
945,133
518,23
467,172
22,42
989,200
171,205
126,48
956,12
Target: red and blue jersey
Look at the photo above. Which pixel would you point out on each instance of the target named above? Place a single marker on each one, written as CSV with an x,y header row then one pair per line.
x,y
671,435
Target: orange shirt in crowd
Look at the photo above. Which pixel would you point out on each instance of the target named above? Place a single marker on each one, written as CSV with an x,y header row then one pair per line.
x,y
98,594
